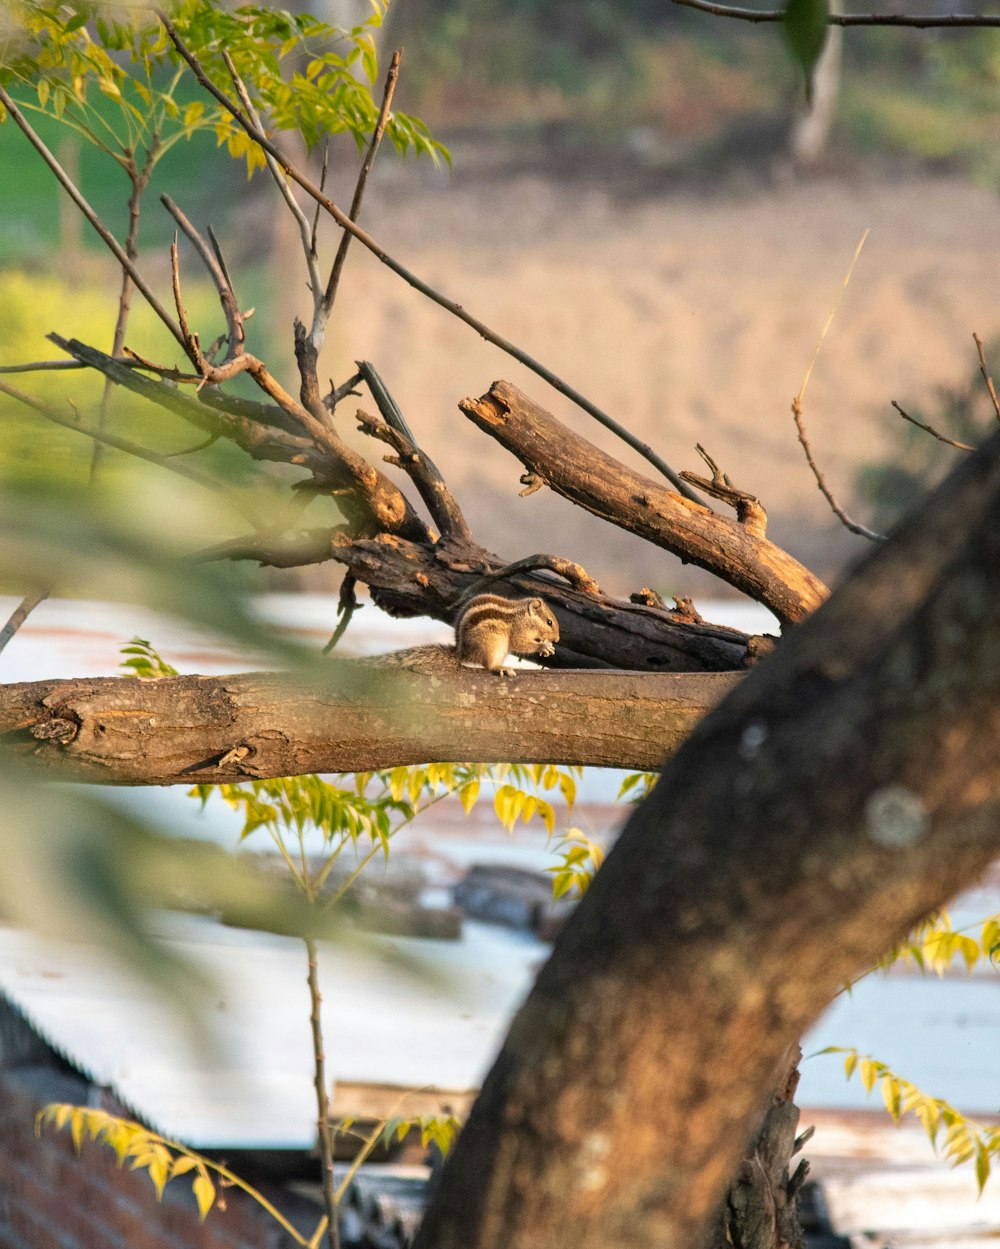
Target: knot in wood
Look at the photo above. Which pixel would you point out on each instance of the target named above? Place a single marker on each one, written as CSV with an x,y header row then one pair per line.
x,y
58,729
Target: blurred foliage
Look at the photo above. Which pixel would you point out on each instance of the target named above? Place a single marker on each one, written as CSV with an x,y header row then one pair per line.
x,y
305,75
919,461
34,449
687,91
957,1136
934,945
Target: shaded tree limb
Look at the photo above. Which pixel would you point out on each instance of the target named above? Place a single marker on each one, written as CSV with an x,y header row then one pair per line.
x,y
344,718
413,579
742,894
595,481
416,463
928,22
368,498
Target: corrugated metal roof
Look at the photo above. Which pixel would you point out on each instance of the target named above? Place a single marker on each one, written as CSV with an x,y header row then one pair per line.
x,y
250,1085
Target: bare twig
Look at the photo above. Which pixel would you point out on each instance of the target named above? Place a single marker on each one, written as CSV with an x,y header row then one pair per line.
x,y
322,186
424,474
58,366
927,22
281,182
217,272
346,607
748,508
20,614
986,375
330,294
366,240
109,239
573,573
835,507
323,1126
342,391
133,448
262,442
961,446
139,179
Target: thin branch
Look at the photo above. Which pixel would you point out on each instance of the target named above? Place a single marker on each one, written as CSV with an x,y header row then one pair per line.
x,y
986,375
133,448
415,462
573,573
931,20
337,393
267,443
139,180
346,607
54,366
322,186
951,442
366,240
218,274
338,264
835,507
20,614
109,239
306,232
323,1127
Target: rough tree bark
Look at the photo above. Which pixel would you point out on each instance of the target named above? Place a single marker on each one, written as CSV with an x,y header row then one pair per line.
x,y
735,549
210,730
850,785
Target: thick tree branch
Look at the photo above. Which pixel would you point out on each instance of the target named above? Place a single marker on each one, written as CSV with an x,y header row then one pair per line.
x,y
186,730
587,476
412,579
849,786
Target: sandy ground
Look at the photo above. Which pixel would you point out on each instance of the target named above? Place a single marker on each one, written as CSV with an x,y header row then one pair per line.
x,y
689,318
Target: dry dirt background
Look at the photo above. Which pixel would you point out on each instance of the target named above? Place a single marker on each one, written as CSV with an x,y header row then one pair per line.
x,y
688,318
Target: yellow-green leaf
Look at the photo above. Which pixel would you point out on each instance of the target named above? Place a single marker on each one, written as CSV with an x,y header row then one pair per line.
x,y
204,1193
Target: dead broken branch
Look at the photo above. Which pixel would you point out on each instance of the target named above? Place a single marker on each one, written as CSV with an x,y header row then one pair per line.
x,y
594,480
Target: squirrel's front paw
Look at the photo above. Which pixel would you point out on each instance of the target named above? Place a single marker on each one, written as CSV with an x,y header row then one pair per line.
x,y
546,649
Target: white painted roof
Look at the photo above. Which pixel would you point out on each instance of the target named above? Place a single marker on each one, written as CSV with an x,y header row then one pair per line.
x,y
395,1011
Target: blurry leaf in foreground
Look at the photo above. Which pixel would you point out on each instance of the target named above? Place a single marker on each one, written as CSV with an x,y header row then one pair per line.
x,y
116,546
77,865
806,24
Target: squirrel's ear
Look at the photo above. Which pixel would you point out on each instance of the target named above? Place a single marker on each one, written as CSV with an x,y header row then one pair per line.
x,y
536,603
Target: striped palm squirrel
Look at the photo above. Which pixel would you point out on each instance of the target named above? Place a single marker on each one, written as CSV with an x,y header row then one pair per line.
x,y
487,629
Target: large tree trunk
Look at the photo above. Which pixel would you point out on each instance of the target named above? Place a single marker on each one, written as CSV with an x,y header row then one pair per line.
x,y
849,786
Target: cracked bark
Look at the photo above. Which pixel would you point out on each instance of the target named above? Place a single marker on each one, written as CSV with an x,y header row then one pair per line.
x,y
175,730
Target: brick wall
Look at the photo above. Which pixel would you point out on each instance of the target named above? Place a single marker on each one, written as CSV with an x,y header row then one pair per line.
x,y
53,1198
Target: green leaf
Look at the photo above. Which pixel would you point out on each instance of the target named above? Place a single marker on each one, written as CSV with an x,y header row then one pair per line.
x,y
805,25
